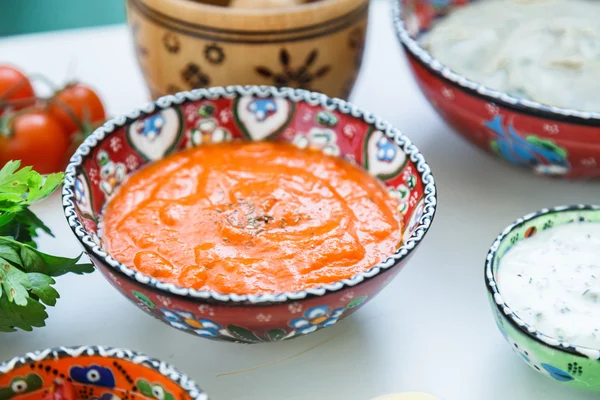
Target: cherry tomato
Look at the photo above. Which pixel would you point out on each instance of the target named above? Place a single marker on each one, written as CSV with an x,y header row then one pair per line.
x,y
61,391
37,139
85,104
14,85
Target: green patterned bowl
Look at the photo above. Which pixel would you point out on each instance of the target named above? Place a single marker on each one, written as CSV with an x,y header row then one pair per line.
x,y
574,366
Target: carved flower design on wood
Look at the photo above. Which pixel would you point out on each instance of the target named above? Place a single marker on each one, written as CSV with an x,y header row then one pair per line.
x,y
300,77
171,42
214,54
193,75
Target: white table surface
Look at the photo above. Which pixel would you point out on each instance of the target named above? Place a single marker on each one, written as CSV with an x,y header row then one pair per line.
x,y
430,330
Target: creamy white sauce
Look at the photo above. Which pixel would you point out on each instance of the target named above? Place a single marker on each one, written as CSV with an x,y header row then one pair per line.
x,y
552,282
542,50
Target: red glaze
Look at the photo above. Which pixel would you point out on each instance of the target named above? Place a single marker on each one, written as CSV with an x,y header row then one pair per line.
x,y
549,143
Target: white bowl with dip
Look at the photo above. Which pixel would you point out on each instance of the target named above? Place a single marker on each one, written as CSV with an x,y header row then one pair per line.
x,y
543,279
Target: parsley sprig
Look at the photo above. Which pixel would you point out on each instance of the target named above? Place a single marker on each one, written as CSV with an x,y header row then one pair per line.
x,y
27,274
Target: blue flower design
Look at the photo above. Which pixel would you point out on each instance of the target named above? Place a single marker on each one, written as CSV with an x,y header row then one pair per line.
x,y
386,150
262,108
315,318
541,154
186,321
152,126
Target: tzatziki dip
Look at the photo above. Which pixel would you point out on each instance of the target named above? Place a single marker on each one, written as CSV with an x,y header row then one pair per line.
x,y
552,282
547,51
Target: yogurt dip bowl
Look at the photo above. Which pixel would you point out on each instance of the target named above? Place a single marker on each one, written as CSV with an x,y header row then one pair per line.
x,y
567,363
549,140
95,372
188,119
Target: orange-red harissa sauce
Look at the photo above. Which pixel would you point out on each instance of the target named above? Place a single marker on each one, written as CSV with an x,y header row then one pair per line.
x,y
250,218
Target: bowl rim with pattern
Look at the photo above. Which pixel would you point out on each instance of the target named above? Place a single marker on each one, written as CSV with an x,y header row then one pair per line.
x,y
294,95
478,90
54,353
505,311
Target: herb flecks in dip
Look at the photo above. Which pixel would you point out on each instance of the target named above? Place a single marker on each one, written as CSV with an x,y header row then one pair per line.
x,y
552,282
250,218
542,50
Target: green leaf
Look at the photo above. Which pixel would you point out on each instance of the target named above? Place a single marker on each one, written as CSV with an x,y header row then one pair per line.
x,y
14,283
11,197
23,227
6,218
32,221
25,186
32,262
17,231
10,207
9,169
40,286
34,181
13,181
243,334
276,335
26,317
40,188
57,266
25,272
52,182
10,254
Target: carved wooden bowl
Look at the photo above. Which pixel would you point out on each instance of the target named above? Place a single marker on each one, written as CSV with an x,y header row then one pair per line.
x,y
186,44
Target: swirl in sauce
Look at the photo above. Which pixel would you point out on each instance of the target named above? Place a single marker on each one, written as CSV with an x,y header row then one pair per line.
x,y
250,218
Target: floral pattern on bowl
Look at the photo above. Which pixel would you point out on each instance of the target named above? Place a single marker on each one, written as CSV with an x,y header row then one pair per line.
x,y
572,365
97,373
548,140
303,118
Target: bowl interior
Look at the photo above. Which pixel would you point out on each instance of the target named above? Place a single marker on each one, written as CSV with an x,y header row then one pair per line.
x,y
522,229
419,15
173,128
104,374
540,222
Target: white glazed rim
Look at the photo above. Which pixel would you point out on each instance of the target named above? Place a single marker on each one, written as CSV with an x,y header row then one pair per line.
x,y
532,107
294,95
506,311
163,368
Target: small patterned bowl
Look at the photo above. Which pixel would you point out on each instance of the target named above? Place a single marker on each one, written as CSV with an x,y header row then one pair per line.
x,y
574,366
189,119
549,140
100,373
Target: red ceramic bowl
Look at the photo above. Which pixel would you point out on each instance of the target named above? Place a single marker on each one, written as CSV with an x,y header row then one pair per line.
x,y
549,140
101,373
187,119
